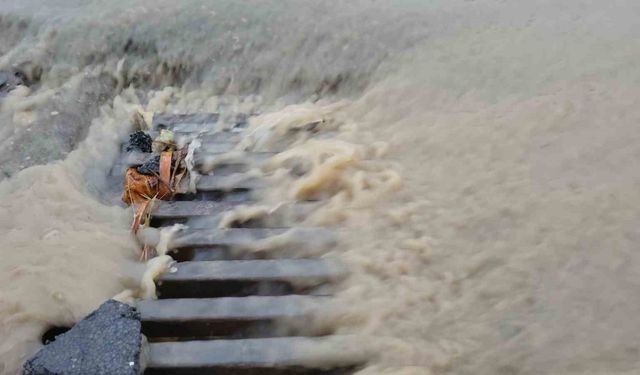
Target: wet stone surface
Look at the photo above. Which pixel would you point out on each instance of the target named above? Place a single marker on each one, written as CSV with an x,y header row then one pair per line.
x,y
139,141
9,80
106,342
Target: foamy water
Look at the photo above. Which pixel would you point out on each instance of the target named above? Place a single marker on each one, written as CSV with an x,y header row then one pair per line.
x,y
481,165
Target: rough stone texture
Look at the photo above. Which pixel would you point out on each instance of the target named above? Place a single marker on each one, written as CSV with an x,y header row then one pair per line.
x,y
106,342
139,141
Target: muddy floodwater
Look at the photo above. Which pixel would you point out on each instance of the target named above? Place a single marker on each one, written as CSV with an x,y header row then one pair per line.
x,y
482,169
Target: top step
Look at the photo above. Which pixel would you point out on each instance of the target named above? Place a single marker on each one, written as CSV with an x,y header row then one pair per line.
x,y
194,122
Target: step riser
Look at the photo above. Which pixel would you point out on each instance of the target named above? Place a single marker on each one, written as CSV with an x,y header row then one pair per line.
x,y
233,196
301,241
225,253
248,277
208,254
229,288
215,253
212,222
229,329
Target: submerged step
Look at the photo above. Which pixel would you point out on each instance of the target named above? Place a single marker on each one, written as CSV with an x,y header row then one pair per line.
x,y
207,161
229,183
210,279
214,157
255,316
178,209
175,209
244,237
221,163
170,120
221,141
290,355
230,137
233,212
237,187
196,122
261,242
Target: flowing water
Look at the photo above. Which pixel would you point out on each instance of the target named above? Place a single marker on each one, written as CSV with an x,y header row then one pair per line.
x,y
483,169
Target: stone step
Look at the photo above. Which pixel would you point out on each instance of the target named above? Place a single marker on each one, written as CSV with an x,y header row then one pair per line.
x,y
311,239
236,187
197,122
267,356
217,209
232,182
206,160
212,279
222,141
234,157
255,316
230,137
185,122
179,209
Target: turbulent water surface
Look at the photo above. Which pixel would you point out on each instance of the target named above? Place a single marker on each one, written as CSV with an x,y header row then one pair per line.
x,y
483,170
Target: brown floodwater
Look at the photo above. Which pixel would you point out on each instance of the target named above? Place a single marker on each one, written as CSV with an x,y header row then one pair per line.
x,y
478,159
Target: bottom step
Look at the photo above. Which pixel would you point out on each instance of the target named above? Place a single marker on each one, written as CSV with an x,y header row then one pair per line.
x,y
289,355
198,318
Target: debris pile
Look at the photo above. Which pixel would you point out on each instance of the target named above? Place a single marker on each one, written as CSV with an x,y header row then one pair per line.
x,y
160,176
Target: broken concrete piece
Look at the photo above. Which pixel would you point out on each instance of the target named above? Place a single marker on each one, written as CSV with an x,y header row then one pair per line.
x,y
106,342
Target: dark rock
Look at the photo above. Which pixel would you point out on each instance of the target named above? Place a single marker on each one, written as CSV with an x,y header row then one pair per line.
x,y
106,342
139,141
150,167
9,80
28,72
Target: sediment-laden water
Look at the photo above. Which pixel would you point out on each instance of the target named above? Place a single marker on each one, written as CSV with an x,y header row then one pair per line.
x,y
482,167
